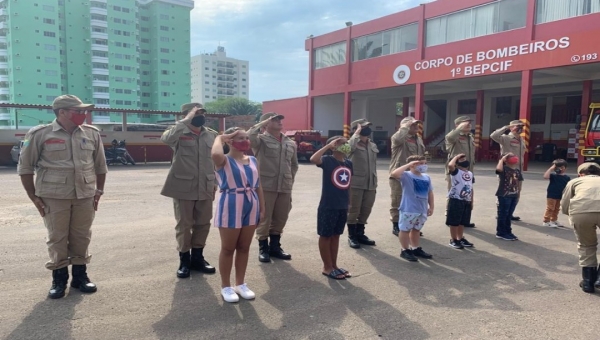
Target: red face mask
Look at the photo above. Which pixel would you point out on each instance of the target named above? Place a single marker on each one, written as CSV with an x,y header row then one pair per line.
x,y
243,145
78,119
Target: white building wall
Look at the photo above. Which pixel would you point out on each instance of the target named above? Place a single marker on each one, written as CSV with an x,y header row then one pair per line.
x,y
382,114
329,113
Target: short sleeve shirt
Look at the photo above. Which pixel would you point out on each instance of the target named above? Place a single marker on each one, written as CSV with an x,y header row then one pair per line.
x,y
509,182
336,183
462,185
415,193
557,185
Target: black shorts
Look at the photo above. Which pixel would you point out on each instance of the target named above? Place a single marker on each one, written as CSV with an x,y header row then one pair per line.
x,y
458,212
331,222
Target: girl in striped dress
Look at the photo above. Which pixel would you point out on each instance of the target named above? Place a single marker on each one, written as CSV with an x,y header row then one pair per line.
x,y
239,209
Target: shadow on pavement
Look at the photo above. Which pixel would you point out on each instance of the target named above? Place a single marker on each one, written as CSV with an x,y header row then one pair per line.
x,y
49,319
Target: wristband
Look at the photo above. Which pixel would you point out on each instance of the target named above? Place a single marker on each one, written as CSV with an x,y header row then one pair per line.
x,y
99,192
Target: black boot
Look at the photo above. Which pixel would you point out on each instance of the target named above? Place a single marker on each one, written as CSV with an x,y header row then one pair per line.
x,y
184,265
263,251
395,229
597,284
60,277
275,248
352,241
361,237
199,263
589,275
81,280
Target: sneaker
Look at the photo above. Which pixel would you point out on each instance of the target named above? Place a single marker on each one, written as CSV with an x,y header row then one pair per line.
x,y
455,244
407,254
514,236
557,224
548,224
419,252
507,237
466,243
229,295
244,292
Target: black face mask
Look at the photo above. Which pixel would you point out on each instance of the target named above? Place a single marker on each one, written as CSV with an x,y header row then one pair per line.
x,y
365,132
519,129
198,121
464,164
557,171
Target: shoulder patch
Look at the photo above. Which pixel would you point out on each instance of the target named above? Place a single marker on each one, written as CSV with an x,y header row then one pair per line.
x,y
91,127
37,128
211,130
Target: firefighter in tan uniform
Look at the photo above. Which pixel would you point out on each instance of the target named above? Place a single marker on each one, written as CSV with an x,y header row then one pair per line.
x,y
363,188
512,143
581,201
278,163
405,142
68,159
460,140
191,184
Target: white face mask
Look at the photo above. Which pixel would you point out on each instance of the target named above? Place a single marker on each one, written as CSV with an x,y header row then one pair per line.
x,y
422,168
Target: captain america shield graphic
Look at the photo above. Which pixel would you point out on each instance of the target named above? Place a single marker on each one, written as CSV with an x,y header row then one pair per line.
x,y
340,177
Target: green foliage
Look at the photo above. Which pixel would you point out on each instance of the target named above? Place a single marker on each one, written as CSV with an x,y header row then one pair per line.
x,y
235,107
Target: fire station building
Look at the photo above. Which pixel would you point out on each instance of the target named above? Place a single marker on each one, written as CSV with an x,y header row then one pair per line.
x,y
496,61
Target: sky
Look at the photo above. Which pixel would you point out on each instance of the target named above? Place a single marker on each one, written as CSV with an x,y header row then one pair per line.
x,y
270,34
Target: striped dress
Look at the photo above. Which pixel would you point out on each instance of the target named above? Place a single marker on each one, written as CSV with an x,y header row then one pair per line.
x,y
238,205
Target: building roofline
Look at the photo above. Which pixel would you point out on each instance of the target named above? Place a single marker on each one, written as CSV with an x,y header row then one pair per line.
x,y
183,3
107,109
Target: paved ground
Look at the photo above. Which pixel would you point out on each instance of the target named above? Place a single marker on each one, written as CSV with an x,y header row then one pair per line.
x,y
499,290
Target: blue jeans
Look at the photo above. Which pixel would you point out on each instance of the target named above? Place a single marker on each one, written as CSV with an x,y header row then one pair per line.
x,y
506,208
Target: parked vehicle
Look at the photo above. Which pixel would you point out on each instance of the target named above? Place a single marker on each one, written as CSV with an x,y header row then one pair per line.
x,y
117,153
15,152
591,149
307,141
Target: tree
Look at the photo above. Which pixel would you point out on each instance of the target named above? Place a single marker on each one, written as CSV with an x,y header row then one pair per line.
x,y
235,107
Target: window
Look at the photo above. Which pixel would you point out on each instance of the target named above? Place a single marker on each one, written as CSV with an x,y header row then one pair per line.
x,y
144,18
145,94
552,10
49,34
165,83
50,60
51,86
165,94
48,8
103,66
145,62
331,55
164,28
118,56
100,77
243,66
100,42
127,33
164,16
51,73
98,4
119,102
98,17
164,39
99,89
144,51
49,21
145,40
243,79
145,105
125,10
386,42
164,61
117,20
49,47
98,29
118,90
164,50
102,54
119,79
145,29
118,67
499,16
127,91
165,72
101,101
117,8
126,68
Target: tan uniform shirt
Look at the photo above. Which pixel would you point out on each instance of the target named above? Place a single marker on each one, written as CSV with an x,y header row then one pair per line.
x,y
581,195
277,160
192,174
364,163
66,164
403,146
510,143
458,142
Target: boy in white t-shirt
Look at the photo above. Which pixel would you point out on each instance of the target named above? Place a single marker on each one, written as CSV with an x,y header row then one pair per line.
x,y
460,200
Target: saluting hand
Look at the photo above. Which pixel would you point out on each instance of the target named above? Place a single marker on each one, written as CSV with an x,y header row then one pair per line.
x,y
337,142
229,137
39,204
358,129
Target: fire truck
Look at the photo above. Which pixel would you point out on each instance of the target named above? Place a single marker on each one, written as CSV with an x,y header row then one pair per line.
x,y
591,149
307,141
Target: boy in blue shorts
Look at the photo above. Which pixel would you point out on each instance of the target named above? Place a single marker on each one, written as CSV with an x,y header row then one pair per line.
x,y
333,207
460,200
415,206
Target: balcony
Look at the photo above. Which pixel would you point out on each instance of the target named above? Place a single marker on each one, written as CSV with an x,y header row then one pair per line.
x,y
99,35
3,25
100,83
96,47
3,12
102,71
102,95
96,10
4,77
99,60
4,91
99,23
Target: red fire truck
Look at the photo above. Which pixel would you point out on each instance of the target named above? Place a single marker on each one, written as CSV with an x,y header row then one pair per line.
x,y
591,149
307,141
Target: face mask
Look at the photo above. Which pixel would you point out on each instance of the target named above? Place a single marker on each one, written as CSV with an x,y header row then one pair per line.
x,y
198,121
225,149
519,130
344,148
365,132
558,171
78,119
242,145
463,164
421,168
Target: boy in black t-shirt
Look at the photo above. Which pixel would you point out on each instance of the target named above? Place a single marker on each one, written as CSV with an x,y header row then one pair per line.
x,y
558,181
333,207
508,194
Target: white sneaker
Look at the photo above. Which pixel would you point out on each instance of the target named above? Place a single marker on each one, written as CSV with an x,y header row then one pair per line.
x,y
548,224
557,224
244,292
229,295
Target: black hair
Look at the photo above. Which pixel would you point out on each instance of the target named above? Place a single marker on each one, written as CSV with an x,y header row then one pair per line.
x,y
560,163
592,169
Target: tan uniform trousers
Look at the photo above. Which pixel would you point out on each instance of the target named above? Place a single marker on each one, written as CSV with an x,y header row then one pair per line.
x,y
69,223
361,204
193,223
277,209
396,196
587,240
